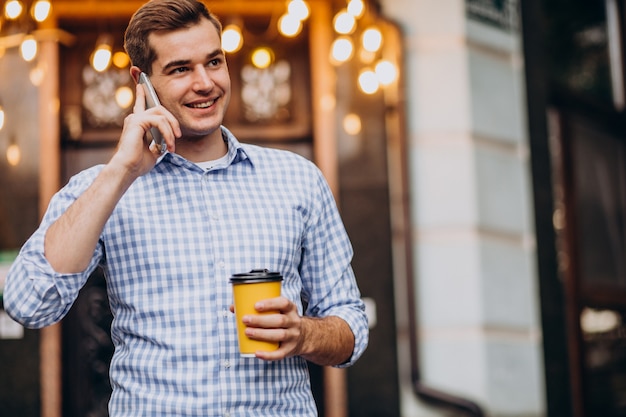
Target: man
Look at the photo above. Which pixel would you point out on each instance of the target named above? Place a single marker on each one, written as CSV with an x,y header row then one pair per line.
x,y
169,230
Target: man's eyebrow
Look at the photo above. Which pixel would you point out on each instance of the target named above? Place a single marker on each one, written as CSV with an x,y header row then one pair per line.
x,y
177,63
183,62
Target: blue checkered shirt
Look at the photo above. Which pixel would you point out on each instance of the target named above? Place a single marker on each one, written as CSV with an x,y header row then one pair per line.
x,y
168,250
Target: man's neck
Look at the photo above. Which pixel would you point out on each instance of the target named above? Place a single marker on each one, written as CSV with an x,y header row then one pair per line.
x,y
209,148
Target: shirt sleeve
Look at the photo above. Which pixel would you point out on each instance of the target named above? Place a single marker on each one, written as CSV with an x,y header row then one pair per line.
x,y
35,295
329,282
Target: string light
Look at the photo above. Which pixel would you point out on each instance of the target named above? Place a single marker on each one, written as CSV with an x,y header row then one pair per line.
x,y
289,25
37,74
28,48
13,9
298,9
344,23
124,97
13,153
232,38
20,28
356,8
386,72
368,82
372,39
342,49
121,59
41,10
262,57
101,56
352,124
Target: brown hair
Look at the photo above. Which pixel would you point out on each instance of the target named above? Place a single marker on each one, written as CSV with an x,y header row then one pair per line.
x,y
161,15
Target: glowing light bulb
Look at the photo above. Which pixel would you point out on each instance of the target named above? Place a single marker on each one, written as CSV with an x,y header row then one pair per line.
x,y
124,97
289,25
344,23
262,57
1,117
41,10
14,154
372,39
352,124
36,75
121,59
101,58
386,72
13,9
298,9
356,8
342,49
368,82
28,48
232,39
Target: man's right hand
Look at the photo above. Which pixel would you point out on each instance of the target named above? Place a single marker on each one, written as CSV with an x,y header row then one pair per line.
x,y
134,152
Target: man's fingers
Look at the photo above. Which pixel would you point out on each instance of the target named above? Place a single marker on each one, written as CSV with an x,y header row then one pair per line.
x,y
140,99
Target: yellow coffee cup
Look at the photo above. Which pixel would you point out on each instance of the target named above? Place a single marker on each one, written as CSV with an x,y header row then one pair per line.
x,y
248,289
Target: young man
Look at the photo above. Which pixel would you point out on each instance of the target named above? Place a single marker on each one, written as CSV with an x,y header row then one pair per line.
x,y
169,230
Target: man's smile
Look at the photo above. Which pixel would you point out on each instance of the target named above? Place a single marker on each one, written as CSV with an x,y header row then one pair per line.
x,y
202,105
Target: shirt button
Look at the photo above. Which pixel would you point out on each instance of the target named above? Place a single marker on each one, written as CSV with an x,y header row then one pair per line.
x,y
225,313
221,264
226,363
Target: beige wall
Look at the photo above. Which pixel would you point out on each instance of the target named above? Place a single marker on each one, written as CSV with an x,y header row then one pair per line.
x,y
471,212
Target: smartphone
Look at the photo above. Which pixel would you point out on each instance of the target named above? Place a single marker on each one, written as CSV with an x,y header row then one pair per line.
x,y
152,101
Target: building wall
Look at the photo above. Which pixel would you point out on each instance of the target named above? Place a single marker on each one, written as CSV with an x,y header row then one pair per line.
x,y
471,210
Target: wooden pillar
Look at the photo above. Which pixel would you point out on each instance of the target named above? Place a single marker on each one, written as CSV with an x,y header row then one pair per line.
x,y
323,92
49,182
323,82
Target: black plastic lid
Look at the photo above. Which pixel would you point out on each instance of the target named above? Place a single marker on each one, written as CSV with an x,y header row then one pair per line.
x,y
256,275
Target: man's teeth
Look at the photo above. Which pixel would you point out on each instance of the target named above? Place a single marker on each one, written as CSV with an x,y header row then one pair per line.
x,y
203,105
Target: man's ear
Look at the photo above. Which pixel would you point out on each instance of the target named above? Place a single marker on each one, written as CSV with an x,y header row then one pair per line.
x,y
134,72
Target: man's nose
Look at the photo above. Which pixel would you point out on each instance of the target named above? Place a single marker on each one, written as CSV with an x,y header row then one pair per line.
x,y
202,79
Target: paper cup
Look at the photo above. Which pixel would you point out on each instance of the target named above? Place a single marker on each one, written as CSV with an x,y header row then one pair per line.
x,y
249,288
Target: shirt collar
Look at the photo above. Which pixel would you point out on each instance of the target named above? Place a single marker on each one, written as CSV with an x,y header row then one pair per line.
x,y
236,152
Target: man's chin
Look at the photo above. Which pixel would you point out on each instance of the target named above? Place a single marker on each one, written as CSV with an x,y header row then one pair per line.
x,y
199,135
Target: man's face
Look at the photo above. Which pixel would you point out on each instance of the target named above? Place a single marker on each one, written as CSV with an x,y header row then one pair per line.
x,y
191,78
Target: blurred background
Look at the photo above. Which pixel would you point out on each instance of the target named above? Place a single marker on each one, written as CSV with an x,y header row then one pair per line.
x,y
476,151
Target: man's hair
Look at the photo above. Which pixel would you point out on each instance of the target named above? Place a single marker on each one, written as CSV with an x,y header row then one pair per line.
x,y
162,16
